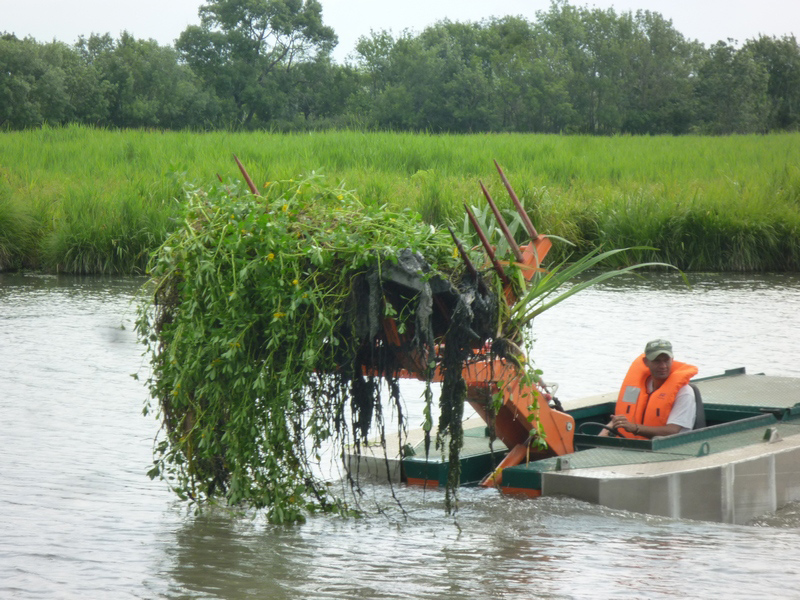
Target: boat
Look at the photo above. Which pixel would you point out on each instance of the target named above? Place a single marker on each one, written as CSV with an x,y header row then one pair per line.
x,y
744,463
741,461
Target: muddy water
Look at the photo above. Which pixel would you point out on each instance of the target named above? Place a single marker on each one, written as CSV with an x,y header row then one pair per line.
x,y
79,519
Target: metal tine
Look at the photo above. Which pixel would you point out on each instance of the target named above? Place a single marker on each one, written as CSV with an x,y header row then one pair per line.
x,y
249,181
503,226
523,215
486,246
470,267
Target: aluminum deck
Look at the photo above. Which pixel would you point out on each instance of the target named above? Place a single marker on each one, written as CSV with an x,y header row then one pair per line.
x,y
744,464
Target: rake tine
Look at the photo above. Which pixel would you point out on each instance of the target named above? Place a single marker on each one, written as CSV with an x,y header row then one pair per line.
x,y
486,246
525,219
249,181
503,226
220,178
470,267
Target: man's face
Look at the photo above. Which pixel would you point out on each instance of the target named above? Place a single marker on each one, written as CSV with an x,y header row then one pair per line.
x,y
660,366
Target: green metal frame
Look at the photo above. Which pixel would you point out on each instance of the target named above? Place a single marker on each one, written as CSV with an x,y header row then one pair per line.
x,y
473,468
729,426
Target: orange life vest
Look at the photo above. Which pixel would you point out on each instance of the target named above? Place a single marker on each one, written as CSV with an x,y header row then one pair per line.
x,y
650,409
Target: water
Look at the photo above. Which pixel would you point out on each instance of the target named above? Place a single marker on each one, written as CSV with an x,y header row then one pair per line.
x,y
79,518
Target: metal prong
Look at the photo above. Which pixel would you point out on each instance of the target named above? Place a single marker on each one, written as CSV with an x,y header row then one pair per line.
x,y
503,226
249,181
523,215
467,262
486,246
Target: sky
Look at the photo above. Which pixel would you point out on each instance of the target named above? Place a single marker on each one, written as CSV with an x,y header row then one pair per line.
x,y
163,20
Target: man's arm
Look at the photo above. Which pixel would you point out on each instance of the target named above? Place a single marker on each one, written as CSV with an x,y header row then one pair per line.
x,y
684,410
653,431
648,431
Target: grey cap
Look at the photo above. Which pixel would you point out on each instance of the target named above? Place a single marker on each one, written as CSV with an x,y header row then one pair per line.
x,y
655,348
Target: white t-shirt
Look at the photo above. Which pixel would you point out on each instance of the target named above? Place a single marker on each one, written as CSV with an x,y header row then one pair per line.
x,y
684,410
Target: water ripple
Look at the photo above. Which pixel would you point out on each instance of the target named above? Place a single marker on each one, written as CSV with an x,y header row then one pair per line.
x,y
81,520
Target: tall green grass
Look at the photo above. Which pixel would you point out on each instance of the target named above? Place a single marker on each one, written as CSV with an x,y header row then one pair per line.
x,y
85,200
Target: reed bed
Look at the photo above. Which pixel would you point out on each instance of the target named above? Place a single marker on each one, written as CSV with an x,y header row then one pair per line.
x,y
85,200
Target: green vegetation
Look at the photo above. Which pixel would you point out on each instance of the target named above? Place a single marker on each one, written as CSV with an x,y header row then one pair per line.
x,y
266,64
264,317
82,200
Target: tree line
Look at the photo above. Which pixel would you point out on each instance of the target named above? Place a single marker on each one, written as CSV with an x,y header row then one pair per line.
x,y
267,64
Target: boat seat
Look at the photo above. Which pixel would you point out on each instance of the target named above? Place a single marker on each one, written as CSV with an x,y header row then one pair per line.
x,y
700,417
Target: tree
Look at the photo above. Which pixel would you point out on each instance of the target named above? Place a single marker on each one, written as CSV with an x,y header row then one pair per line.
x,y
46,83
373,56
565,25
241,45
321,90
731,91
84,85
19,69
144,84
663,71
461,77
437,81
528,77
781,60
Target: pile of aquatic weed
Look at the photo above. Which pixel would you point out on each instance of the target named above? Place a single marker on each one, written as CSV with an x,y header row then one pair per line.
x,y
264,323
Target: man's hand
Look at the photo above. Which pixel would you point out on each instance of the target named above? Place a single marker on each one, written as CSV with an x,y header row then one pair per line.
x,y
621,422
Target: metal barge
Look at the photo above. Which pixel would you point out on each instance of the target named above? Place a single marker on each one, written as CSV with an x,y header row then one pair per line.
x,y
744,463
741,461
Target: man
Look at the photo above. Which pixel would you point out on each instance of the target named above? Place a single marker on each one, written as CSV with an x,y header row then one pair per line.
x,y
655,398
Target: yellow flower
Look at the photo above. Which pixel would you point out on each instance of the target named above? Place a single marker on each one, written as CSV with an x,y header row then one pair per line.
x,y
269,183
285,207
278,315
270,256
295,282
340,197
455,251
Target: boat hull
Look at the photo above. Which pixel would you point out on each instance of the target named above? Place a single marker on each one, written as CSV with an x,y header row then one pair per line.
x,y
744,464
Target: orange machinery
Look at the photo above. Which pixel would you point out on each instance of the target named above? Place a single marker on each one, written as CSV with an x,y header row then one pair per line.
x,y
525,413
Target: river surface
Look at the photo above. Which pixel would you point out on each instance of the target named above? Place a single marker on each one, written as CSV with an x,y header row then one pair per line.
x,y
80,519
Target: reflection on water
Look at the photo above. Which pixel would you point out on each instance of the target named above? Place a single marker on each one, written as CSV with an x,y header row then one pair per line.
x,y
80,519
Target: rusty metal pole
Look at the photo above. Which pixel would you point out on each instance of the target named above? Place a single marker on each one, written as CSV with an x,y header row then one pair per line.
x,y
249,181
464,257
503,226
486,246
525,218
